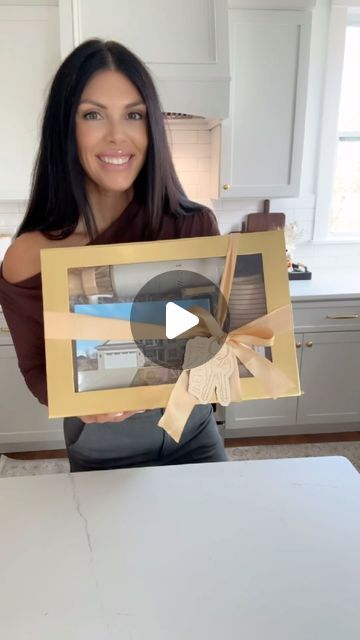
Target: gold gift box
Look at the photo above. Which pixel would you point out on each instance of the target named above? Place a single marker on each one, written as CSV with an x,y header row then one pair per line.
x,y
56,264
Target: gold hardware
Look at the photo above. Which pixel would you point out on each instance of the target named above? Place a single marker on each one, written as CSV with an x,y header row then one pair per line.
x,y
226,187
4,330
298,345
309,343
351,316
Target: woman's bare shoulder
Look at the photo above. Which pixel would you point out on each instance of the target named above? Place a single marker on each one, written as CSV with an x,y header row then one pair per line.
x,y
22,259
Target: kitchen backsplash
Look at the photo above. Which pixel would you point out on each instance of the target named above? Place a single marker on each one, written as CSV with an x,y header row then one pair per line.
x,y
230,214
191,150
11,213
10,216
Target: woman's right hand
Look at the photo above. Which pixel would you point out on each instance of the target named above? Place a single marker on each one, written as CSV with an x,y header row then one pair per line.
x,y
108,417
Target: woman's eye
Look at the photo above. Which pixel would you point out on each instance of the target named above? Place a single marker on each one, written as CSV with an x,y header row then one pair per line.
x,y
136,115
91,115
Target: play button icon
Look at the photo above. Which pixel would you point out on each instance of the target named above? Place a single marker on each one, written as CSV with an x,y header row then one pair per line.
x,y
178,320
167,301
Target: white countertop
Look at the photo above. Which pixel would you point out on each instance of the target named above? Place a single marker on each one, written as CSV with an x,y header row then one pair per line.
x,y
254,550
329,284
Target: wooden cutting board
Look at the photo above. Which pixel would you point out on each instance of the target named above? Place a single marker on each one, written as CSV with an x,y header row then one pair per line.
x,y
265,221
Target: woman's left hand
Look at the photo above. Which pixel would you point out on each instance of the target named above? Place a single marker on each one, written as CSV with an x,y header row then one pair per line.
x,y
108,417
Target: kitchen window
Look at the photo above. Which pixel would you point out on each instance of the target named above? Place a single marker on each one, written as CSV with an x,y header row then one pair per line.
x,y
345,204
338,194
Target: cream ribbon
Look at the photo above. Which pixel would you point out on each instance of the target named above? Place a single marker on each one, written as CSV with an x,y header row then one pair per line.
x,y
260,332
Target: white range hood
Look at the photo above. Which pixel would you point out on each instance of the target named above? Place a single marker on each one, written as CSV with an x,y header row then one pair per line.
x,y
204,97
184,44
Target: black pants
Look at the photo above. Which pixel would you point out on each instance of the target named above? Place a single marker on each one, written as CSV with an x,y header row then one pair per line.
x,y
139,442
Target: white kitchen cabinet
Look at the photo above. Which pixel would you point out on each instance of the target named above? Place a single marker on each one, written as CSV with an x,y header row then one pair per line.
x,y
328,351
29,55
330,378
185,44
24,425
242,418
262,140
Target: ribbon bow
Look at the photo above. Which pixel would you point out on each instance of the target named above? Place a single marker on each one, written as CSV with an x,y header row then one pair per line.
x,y
220,374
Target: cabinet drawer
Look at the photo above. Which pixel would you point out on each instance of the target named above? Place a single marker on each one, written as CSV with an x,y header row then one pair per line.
x,y
319,317
5,337
24,422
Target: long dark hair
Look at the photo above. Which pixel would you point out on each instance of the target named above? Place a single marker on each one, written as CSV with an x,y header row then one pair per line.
x,y
58,196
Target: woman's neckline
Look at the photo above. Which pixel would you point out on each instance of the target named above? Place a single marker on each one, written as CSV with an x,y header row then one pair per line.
x,y
112,224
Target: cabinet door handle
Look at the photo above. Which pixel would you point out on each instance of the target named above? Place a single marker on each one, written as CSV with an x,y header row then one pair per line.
x,y
226,187
351,316
309,343
4,330
298,345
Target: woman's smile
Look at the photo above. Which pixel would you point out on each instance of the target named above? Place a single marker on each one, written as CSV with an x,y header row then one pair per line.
x,y
115,162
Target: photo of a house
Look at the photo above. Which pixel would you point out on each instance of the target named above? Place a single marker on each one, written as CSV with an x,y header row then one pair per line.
x,y
119,354
121,363
124,363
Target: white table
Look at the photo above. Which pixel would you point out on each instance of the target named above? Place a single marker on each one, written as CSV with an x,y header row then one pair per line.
x,y
260,550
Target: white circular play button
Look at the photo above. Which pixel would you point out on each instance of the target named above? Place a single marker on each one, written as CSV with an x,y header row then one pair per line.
x,y
167,301
178,320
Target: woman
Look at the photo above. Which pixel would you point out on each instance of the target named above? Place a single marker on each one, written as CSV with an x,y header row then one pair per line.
x,y
103,174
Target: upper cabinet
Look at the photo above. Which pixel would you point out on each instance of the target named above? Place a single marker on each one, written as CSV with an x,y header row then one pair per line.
x,y
185,45
29,55
262,140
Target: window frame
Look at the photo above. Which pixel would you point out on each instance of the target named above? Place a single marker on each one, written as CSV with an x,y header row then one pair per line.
x,y
340,18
